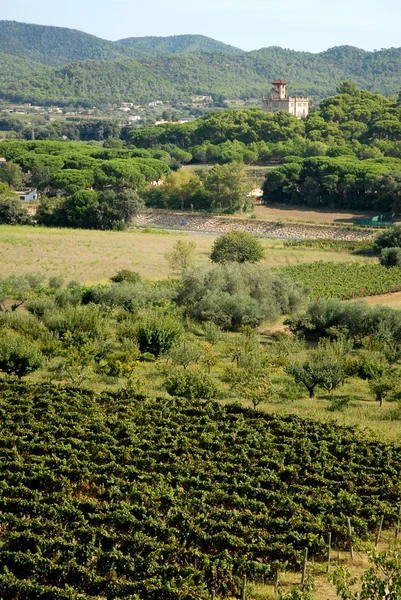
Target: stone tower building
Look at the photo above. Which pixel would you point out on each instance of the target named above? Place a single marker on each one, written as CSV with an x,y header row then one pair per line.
x,y
278,100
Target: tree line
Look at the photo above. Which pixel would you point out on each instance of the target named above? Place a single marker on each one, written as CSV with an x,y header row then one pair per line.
x,y
345,155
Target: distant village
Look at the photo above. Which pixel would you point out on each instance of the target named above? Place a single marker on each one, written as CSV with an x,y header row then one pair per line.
x,y
154,112
159,112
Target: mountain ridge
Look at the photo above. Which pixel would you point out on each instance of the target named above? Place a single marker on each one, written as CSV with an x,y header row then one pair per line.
x,y
142,70
177,44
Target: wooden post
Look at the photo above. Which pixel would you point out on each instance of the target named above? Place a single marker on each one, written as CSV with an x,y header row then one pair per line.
x,y
328,551
304,567
276,580
379,532
350,536
397,529
243,591
213,594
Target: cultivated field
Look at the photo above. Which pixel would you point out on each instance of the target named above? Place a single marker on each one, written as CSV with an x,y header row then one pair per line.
x,y
284,212
93,256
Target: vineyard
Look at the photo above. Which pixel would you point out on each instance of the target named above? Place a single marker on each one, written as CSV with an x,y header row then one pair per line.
x,y
116,496
345,280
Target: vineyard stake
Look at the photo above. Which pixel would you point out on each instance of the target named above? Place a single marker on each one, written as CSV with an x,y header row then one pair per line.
x,y
379,532
328,550
350,536
243,592
397,529
213,594
304,567
276,580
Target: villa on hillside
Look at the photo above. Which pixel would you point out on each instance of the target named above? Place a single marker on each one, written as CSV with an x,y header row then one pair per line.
x,y
278,100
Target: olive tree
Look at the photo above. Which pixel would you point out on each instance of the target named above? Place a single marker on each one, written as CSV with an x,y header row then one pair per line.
x,y
182,256
237,246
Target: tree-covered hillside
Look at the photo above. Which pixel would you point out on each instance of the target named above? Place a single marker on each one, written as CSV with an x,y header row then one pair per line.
x,y
176,77
14,67
60,45
91,71
178,44
90,83
55,45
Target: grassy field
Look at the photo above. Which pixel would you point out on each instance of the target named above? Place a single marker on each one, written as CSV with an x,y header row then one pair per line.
x,y
93,256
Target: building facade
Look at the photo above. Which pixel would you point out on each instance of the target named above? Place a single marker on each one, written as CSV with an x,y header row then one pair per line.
x,y
278,100
28,195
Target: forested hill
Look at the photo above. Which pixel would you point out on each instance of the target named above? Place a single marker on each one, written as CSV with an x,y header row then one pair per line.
x,y
59,46
176,77
89,71
56,45
14,68
178,44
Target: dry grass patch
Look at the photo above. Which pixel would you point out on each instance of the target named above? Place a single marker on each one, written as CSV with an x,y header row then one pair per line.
x,y
285,212
93,256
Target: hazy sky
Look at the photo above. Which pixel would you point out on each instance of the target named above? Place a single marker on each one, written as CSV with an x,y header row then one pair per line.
x,y
312,25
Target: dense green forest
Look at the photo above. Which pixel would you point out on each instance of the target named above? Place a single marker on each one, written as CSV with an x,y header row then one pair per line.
x,y
13,68
346,154
177,44
90,71
56,45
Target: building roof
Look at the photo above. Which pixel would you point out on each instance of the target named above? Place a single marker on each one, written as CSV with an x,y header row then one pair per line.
x,y
279,82
25,192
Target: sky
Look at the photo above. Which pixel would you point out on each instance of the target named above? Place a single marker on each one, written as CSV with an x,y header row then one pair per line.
x,y
309,25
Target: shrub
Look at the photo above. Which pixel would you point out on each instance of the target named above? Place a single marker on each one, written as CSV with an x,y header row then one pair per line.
x,y
89,321
27,325
12,212
191,384
17,289
18,356
233,295
158,333
212,332
390,257
355,318
51,212
389,238
126,275
38,306
131,296
237,246
182,255
185,353
56,282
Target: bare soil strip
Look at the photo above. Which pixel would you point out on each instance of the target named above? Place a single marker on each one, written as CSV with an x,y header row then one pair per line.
x,y
201,223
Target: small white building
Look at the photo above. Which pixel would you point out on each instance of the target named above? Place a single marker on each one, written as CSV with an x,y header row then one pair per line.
x,y
28,195
255,193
